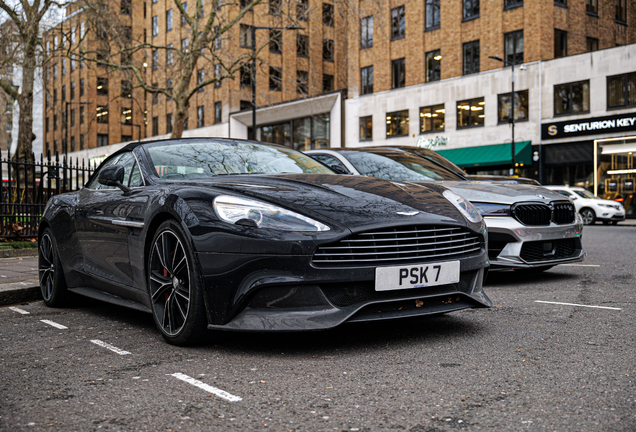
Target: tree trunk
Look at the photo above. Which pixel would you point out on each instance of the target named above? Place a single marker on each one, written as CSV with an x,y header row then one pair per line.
x,y
25,100
180,117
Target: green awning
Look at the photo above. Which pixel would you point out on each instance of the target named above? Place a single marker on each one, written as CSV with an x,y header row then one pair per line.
x,y
489,155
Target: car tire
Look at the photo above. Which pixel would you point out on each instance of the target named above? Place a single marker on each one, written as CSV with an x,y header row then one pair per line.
x,y
606,222
588,216
175,286
52,283
614,222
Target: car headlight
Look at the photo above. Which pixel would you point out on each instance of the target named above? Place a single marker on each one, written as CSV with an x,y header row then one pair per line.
x,y
489,209
259,214
605,205
464,206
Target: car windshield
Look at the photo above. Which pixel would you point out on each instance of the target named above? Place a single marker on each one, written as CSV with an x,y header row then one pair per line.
x,y
188,160
398,166
438,159
586,194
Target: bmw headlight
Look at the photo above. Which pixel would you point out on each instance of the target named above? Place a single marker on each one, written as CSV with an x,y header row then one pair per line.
x,y
259,214
489,209
464,206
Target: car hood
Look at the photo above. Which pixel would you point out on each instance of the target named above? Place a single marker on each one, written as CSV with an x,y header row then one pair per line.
x,y
355,202
502,193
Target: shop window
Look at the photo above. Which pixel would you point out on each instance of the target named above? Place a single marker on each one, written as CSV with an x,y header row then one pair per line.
x,y
591,44
621,11
398,73
433,66
505,107
126,116
433,17
366,32
302,45
366,80
102,140
397,123
275,41
398,23
471,113
572,98
102,114
470,9
302,82
509,4
366,128
471,57
560,43
327,82
432,118
591,6
327,14
621,91
275,79
327,49
513,48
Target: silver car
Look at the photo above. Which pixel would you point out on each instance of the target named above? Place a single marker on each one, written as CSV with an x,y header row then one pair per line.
x,y
529,227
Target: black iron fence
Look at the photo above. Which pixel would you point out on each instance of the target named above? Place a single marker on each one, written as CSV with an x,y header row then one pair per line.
x,y
27,186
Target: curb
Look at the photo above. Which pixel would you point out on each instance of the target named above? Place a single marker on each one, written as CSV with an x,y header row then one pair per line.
x,y
18,292
14,253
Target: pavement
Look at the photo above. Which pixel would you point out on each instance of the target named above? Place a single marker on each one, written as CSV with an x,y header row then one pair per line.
x,y
19,275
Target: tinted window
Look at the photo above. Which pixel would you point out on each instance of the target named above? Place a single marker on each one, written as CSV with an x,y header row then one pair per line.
x,y
398,166
135,177
329,160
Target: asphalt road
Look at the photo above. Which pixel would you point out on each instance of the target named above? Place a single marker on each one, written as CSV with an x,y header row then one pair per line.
x,y
521,365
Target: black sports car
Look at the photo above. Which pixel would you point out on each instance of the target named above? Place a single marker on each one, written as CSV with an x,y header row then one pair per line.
x,y
240,235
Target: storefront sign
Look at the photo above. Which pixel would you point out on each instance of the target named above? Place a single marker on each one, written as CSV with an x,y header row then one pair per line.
x,y
593,126
431,143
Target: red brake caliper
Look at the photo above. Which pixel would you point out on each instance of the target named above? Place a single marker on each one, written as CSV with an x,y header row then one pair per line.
x,y
165,273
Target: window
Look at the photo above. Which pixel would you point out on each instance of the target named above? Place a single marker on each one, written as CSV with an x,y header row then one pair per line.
x,y
432,118
246,75
275,79
81,89
102,140
591,44
246,37
183,16
72,143
48,100
591,6
509,4
433,17
102,114
302,80
102,86
433,66
621,10
126,89
302,45
245,105
54,96
505,107
218,111
397,23
471,9
218,40
169,123
327,49
63,93
471,113
366,32
126,138
155,60
218,72
63,67
572,98
275,7
200,116
398,73
563,3
126,116
72,90
327,82
302,10
155,94
169,55
471,57
397,123
621,90
200,79
72,65
82,142
169,88
275,41
125,7
366,128
513,48
560,43
327,14
184,45
244,3
82,30
9,126
55,123
169,20
155,126
82,115
366,80
155,26
72,117
47,127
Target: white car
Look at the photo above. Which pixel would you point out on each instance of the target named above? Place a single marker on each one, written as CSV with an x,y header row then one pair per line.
x,y
590,207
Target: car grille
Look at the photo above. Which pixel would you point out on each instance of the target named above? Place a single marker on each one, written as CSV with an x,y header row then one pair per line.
x,y
542,214
398,245
548,250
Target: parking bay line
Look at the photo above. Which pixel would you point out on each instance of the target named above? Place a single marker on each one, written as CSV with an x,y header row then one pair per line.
x,y
573,304
579,265
54,324
109,347
208,388
18,310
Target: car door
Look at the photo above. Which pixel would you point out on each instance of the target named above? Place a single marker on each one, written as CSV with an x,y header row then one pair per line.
x,y
104,241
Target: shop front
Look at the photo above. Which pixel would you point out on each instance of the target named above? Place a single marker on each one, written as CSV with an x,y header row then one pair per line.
x,y
615,173
494,159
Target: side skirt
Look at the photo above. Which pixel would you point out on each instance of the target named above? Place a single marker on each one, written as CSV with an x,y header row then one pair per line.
x,y
109,298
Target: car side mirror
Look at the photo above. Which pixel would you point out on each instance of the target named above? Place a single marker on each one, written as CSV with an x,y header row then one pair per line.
x,y
573,198
113,175
338,169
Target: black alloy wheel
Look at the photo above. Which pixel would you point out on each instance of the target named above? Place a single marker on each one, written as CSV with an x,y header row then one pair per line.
x,y
52,283
177,300
588,216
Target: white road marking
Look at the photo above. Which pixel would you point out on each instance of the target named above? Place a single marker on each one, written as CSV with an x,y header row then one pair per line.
x,y
54,324
109,347
208,388
573,304
20,311
579,265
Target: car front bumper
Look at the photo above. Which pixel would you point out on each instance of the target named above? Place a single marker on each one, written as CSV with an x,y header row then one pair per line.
x,y
514,245
609,214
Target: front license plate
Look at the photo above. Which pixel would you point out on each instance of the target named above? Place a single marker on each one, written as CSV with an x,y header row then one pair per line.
x,y
416,276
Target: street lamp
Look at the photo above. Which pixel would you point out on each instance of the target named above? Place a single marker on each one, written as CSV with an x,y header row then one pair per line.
x,y
254,28
512,103
66,104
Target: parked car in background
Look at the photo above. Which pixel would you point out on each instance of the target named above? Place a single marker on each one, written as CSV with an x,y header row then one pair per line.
x,y
591,207
529,227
